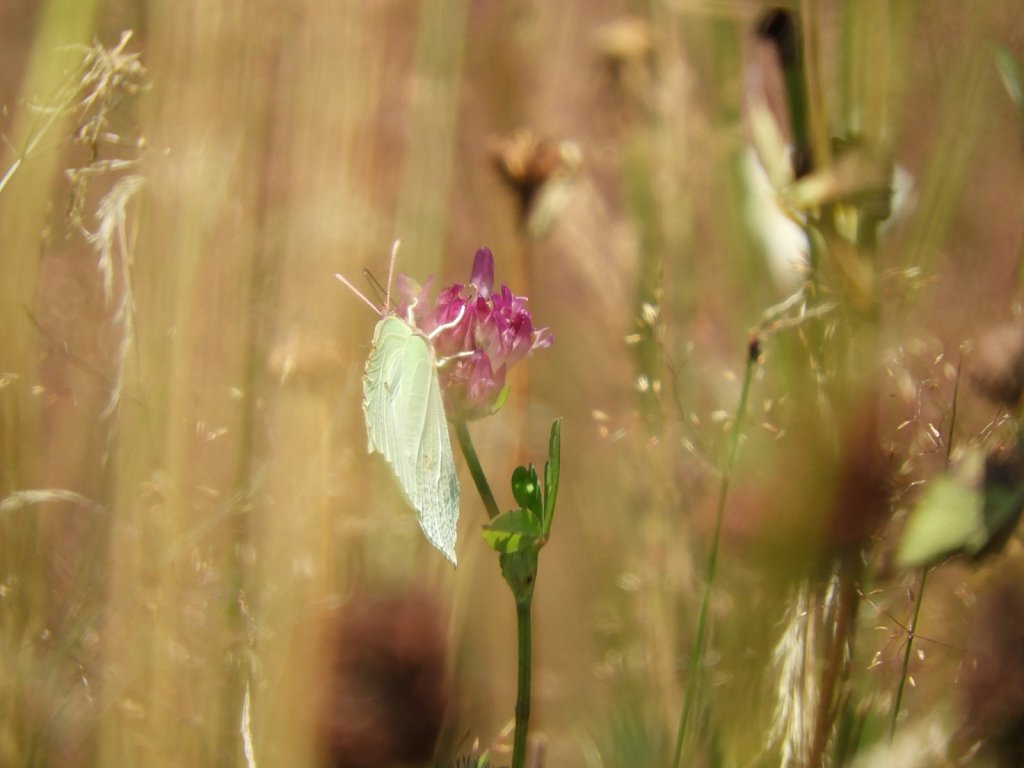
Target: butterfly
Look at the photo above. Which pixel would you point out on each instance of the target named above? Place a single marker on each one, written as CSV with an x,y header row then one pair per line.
x,y
405,418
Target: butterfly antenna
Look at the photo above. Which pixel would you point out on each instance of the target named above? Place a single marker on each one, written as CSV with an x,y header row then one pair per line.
x,y
391,272
378,289
357,292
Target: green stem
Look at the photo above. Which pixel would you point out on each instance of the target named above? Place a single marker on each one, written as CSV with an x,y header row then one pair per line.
x,y
479,478
522,589
912,630
904,674
524,635
697,654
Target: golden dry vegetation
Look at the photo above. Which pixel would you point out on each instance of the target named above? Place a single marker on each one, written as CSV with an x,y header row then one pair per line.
x,y
186,504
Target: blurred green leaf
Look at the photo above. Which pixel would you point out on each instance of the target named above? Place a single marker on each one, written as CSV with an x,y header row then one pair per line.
x,y
511,531
972,513
1010,72
551,472
948,519
1013,79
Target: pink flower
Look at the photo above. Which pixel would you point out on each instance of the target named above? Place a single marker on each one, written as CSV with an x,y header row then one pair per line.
x,y
477,336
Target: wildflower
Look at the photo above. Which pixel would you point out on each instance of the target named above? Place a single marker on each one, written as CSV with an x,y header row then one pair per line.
x,y
480,334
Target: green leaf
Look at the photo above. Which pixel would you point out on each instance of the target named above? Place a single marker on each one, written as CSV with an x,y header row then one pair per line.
x,y
512,531
1013,78
948,519
972,513
1010,72
551,472
526,490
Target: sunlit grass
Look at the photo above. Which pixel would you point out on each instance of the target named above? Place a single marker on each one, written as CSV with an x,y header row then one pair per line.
x,y
186,505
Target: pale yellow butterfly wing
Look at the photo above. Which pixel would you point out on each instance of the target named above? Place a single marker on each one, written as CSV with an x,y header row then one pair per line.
x,y
405,422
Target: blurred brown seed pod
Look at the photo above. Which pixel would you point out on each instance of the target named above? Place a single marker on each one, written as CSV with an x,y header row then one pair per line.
x,y
527,162
385,699
625,40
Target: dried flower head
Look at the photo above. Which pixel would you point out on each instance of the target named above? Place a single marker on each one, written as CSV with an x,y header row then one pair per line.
x,y
625,39
484,333
526,162
627,46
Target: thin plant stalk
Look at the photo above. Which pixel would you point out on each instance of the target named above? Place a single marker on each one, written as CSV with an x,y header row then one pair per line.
x,y
524,637
475,469
524,601
905,668
912,629
697,654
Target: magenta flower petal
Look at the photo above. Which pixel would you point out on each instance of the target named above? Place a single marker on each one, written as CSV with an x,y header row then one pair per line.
x,y
482,275
542,339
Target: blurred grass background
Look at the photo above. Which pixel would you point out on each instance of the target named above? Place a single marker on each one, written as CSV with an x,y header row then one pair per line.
x,y
186,491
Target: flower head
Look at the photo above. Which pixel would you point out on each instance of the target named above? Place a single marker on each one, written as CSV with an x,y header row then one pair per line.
x,y
477,334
